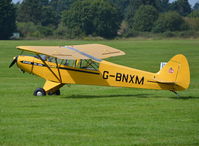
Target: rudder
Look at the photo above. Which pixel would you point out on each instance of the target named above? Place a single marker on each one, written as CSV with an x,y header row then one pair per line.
x,y
176,72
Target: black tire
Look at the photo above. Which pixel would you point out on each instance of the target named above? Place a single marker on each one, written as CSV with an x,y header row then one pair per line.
x,y
39,92
57,92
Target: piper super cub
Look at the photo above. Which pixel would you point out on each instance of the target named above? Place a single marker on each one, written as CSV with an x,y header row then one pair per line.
x,y
84,64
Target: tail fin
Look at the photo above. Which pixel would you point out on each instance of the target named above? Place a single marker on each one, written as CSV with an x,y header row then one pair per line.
x,y
176,72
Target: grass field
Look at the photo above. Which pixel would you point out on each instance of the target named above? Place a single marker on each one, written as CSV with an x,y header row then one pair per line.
x,y
91,115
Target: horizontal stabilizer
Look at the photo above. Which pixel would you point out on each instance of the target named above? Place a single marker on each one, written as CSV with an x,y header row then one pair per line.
x,y
163,82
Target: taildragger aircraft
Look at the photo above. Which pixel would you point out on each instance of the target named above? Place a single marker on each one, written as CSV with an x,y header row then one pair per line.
x,y
84,64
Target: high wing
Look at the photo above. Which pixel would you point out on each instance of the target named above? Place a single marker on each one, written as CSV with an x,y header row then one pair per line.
x,y
87,51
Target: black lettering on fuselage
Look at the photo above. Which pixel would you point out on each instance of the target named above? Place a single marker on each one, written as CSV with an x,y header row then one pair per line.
x,y
105,75
118,77
131,79
127,78
137,81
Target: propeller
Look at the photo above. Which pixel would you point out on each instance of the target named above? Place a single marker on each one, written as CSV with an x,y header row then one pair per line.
x,y
13,61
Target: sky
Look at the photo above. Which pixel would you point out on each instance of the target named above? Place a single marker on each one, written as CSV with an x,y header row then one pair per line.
x,y
192,2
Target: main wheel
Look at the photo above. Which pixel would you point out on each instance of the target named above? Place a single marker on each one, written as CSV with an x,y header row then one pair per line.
x,y
57,92
39,92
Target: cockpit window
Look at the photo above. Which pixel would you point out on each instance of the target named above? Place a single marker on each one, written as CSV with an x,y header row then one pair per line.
x,y
54,60
78,63
86,64
42,56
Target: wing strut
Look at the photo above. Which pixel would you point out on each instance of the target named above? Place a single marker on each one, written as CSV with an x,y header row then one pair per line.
x,y
58,70
59,79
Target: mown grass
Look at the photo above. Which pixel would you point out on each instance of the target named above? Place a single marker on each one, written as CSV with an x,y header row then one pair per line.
x,y
92,115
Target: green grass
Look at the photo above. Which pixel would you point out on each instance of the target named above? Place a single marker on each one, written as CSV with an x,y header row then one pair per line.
x,y
91,115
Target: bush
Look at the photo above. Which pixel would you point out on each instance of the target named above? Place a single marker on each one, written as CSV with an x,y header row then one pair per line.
x,y
168,34
45,30
61,31
26,28
65,32
169,21
130,33
29,29
193,23
194,14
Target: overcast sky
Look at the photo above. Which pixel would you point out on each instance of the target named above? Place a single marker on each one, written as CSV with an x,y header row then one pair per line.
x,y
192,2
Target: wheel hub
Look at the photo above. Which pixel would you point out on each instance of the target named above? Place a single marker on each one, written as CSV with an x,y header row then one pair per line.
x,y
39,93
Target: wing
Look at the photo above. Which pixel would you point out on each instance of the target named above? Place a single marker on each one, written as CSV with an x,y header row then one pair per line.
x,y
88,51
99,51
59,52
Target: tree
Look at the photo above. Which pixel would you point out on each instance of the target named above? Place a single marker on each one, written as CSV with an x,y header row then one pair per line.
x,y
169,21
44,2
181,6
48,16
121,5
144,18
196,6
90,17
7,19
163,5
131,9
38,12
30,11
61,5
133,6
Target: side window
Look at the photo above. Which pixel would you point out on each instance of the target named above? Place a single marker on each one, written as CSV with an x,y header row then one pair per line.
x,y
52,59
89,64
79,63
70,63
43,57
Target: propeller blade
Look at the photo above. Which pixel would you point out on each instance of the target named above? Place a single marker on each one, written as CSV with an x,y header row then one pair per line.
x,y
13,62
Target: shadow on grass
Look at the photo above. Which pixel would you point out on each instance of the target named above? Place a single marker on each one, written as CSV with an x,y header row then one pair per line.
x,y
184,97
79,96
108,96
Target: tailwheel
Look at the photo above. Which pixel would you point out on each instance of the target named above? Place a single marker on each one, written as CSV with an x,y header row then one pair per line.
x,y
57,92
39,92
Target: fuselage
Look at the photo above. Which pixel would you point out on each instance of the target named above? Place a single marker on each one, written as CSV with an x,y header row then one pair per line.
x,y
107,74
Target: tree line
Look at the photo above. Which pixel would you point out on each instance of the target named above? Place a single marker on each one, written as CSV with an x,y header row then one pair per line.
x,y
104,18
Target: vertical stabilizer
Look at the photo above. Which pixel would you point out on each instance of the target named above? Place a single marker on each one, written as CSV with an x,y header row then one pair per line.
x,y
176,71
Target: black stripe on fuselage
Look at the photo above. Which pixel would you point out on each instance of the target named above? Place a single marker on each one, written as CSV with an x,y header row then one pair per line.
x,y
79,70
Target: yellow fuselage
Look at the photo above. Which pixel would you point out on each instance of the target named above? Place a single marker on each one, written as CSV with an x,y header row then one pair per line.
x,y
108,74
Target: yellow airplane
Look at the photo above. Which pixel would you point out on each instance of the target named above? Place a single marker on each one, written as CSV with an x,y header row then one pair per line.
x,y
84,64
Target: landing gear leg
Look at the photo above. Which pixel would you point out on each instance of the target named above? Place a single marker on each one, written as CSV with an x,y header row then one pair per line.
x,y
52,88
175,93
